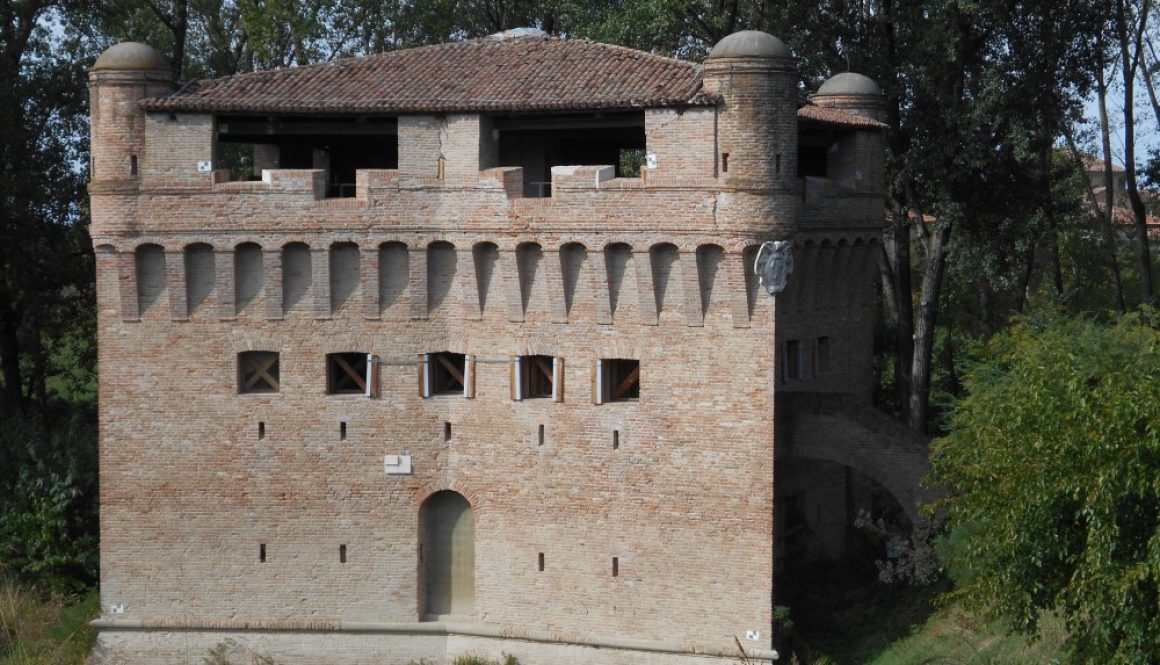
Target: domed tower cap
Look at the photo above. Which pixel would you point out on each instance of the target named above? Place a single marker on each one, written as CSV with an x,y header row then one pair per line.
x,y
750,44
131,56
850,83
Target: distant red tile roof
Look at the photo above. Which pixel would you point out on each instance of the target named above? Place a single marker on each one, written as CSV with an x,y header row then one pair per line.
x,y
514,74
822,115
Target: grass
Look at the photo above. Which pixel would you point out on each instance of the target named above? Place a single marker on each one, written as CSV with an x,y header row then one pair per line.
x,y
38,628
957,634
851,622
844,622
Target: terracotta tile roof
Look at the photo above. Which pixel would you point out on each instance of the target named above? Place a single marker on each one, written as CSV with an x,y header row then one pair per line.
x,y
1093,164
821,115
515,74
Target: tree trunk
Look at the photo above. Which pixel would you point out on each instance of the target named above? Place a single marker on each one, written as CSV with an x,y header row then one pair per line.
x,y
10,354
1131,40
899,253
924,327
1108,218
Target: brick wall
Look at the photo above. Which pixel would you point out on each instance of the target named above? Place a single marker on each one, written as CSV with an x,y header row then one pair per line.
x,y
198,480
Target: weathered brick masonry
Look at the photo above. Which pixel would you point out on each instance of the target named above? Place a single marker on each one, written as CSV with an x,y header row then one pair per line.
x,y
598,530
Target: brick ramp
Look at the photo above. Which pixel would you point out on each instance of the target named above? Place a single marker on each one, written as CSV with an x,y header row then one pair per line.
x,y
839,428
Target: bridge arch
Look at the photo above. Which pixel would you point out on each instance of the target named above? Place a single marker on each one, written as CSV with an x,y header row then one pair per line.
x,y
841,429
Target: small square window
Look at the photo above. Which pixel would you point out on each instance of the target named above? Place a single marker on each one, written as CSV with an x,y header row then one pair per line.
x,y
346,373
258,372
446,373
794,360
536,376
619,379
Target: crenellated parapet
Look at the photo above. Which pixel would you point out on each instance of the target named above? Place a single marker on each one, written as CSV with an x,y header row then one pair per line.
x,y
454,278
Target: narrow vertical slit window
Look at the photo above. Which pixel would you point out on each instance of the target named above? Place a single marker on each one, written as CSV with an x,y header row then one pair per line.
x,y
261,430
541,435
342,553
793,361
258,372
447,431
132,164
342,431
821,356
777,163
616,566
724,162
541,562
261,552
616,439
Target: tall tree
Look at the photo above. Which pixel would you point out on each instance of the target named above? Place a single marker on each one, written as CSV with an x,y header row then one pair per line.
x,y
43,244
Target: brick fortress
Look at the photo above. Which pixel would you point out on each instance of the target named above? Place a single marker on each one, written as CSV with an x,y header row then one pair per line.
x,y
435,369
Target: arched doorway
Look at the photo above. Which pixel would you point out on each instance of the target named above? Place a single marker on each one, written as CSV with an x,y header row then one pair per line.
x,y
446,556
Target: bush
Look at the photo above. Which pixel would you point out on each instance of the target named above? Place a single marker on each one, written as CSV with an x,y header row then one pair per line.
x,y
48,502
1053,469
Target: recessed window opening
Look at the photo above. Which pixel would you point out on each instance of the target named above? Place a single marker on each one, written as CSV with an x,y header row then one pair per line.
x,y
447,431
724,162
537,374
813,153
541,562
616,566
616,439
537,142
261,430
258,372
541,435
342,431
621,379
342,553
794,361
446,373
777,163
822,356
339,145
346,373
132,164
262,553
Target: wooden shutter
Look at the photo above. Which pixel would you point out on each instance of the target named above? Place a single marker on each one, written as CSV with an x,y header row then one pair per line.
x,y
597,381
372,376
469,376
557,379
517,379
424,384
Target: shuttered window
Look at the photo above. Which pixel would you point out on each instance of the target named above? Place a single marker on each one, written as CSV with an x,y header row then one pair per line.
x,y
615,380
350,373
447,373
537,377
258,372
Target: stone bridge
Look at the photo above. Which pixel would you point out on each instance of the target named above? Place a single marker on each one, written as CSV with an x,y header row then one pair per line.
x,y
839,428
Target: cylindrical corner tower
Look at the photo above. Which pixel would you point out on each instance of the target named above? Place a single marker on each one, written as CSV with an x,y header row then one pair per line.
x,y
862,152
122,76
755,75
852,92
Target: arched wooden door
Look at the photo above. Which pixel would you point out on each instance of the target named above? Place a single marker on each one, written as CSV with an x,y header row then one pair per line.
x,y
447,556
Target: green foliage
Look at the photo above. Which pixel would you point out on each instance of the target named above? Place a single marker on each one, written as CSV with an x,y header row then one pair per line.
x,y
48,521
1053,468
234,652
474,659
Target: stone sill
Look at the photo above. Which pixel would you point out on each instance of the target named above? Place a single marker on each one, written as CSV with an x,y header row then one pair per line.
x,y
438,628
